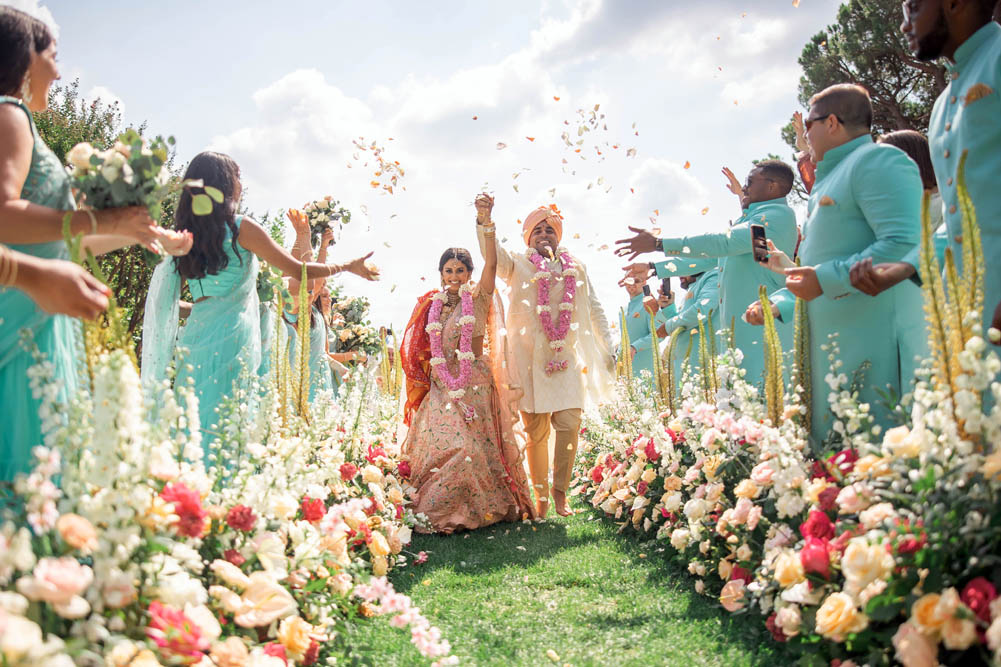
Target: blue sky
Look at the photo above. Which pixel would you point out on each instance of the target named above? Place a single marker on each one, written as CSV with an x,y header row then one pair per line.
x,y
285,87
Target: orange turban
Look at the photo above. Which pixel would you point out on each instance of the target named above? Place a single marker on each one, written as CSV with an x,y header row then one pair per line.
x,y
548,213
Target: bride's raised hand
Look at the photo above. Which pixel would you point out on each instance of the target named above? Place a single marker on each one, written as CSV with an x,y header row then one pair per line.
x,y
484,204
300,223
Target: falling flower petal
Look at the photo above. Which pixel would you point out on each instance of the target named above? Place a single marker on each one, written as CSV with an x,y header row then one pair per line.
x,y
705,210
501,145
687,164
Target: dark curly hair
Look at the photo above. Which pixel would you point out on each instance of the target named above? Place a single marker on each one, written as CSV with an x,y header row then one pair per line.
x,y
460,254
207,256
21,35
916,146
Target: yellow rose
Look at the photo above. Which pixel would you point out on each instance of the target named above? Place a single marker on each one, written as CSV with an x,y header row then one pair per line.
x,y
370,474
395,495
838,616
902,443
672,483
815,488
864,563
789,569
747,489
649,475
927,615
379,565
379,546
725,568
871,465
294,635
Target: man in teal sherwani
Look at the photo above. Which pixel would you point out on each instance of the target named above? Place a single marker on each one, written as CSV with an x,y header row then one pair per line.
x,y
966,117
764,203
638,325
864,204
702,300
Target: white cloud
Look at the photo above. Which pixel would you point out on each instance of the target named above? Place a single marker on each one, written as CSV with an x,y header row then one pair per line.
x,y
39,11
107,96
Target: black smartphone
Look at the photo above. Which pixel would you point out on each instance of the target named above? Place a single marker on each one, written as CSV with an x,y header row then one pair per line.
x,y
646,290
665,286
759,243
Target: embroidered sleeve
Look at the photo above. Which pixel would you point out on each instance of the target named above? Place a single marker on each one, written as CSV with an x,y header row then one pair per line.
x,y
481,308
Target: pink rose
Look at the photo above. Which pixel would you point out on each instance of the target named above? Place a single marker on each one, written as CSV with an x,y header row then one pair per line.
x,y
978,595
651,451
753,517
348,471
59,582
850,501
175,634
742,510
762,473
913,648
241,517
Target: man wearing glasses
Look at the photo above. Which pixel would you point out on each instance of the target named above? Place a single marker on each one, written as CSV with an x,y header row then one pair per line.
x,y
763,200
865,205
966,118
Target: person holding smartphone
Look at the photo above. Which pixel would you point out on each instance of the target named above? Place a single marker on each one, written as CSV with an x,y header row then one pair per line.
x,y
763,200
641,307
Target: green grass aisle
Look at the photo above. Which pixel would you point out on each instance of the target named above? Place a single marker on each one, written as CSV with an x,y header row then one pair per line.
x,y
508,594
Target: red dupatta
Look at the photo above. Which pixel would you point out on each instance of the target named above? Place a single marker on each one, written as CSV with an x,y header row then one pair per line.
x,y
415,356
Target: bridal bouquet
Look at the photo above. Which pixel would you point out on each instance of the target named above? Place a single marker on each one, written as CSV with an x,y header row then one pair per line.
x,y
133,172
323,213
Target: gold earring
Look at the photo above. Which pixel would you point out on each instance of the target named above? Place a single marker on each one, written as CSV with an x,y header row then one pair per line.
x,y
26,88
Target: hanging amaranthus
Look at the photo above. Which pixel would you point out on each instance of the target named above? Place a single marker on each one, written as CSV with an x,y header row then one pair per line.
x,y
704,362
658,376
802,373
773,361
302,349
973,251
625,365
711,345
670,380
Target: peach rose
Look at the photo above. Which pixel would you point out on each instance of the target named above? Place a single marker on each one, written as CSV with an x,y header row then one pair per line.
x,y
672,483
789,569
379,546
78,532
763,473
871,465
928,616
838,616
789,620
875,515
264,602
725,568
959,634
379,565
913,648
902,443
732,595
371,474
230,653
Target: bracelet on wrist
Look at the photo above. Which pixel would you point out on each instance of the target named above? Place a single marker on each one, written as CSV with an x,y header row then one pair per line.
x,y
8,267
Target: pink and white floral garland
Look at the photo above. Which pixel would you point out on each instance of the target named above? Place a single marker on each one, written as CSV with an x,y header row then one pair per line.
x,y
556,333
456,385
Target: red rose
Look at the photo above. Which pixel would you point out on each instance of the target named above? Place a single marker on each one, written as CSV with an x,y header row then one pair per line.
x,y
816,557
651,451
399,512
241,517
188,506
827,498
817,525
313,509
776,631
234,557
978,595
312,654
348,471
403,468
911,544
597,474
630,450
740,573
641,488
675,437
843,461
277,651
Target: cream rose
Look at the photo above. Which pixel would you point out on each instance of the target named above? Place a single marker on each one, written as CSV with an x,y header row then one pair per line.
x,y
264,602
59,581
863,563
370,474
747,489
875,515
230,653
789,620
838,616
79,155
913,648
294,634
789,569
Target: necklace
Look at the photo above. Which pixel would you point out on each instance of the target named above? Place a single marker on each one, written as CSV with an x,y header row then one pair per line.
x,y
555,332
456,385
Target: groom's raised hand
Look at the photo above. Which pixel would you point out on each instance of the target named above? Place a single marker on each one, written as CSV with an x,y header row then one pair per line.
x,y
643,242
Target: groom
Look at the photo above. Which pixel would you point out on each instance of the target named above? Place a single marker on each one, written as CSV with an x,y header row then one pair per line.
x,y
560,346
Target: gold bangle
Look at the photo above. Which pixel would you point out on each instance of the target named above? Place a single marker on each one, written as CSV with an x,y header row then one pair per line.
x,y
93,219
8,266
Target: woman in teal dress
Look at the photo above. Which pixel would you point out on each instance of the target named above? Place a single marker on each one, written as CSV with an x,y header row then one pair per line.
x,y
222,337
320,378
35,196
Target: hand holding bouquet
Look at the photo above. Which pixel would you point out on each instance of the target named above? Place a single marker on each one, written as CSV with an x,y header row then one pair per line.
x,y
322,214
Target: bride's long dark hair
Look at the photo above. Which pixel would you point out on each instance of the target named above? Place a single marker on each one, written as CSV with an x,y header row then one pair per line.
x,y
207,256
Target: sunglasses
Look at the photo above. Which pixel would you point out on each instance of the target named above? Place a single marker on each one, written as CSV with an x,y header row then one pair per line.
x,y
810,121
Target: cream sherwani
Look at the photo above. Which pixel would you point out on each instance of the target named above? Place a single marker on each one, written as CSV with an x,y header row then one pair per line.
x,y
588,349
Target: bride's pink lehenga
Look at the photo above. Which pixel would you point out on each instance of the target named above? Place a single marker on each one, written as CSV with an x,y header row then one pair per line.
x,y
465,461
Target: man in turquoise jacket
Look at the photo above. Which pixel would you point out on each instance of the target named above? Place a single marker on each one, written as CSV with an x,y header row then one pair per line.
x,y
638,325
701,301
864,204
966,117
764,203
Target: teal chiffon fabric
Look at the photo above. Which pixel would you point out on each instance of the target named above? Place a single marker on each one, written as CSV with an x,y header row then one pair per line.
x,y
219,349
320,376
57,337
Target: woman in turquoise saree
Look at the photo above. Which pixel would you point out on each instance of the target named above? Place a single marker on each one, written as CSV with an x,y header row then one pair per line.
x,y
218,352
35,197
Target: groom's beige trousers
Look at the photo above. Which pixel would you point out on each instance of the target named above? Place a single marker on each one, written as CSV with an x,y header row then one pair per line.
x,y
567,426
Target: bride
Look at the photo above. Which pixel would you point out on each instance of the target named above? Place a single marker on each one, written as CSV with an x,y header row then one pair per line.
x,y
466,464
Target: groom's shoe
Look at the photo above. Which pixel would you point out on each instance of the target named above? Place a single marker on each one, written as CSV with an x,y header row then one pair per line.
x,y
560,500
